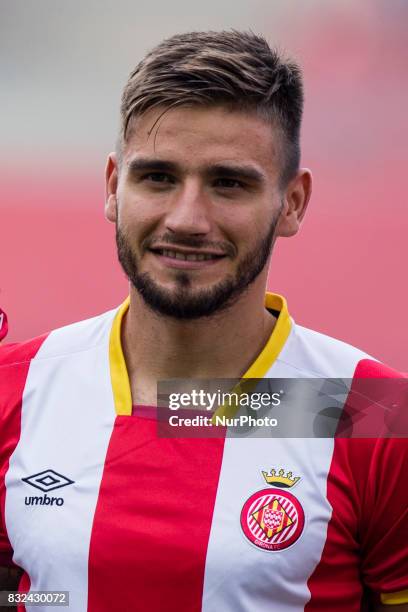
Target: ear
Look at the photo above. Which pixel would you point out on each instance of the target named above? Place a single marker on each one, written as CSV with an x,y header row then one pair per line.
x,y
111,186
295,200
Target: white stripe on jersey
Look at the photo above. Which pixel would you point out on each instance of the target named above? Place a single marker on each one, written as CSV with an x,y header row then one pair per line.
x,y
239,576
79,415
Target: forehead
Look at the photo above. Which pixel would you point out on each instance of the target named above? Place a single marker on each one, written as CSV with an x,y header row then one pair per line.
x,y
196,136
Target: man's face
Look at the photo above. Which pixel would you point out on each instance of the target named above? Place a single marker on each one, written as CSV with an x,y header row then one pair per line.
x,y
196,208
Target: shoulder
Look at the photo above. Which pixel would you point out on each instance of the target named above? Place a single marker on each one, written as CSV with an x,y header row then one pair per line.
x,y
31,366
70,339
308,353
16,354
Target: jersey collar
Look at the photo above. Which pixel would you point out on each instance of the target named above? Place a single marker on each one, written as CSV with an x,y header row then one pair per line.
x,y
119,376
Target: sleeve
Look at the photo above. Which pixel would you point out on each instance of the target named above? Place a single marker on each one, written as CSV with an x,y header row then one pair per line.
x,y
384,522
382,401
6,551
10,396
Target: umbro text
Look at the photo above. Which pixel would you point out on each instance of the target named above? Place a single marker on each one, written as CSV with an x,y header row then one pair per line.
x,y
43,501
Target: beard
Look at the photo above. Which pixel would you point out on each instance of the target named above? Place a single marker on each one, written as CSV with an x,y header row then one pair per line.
x,y
184,302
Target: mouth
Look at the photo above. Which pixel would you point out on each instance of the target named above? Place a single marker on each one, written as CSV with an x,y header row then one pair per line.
x,y
186,259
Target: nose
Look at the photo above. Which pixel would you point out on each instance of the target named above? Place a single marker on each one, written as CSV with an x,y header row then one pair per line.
x,y
189,212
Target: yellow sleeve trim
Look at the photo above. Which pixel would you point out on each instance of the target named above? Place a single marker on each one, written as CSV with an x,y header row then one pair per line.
x,y
394,599
269,353
122,395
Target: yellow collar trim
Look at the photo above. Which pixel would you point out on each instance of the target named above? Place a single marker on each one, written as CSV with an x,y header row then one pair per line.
x,y
277,339
122,395
267,356
119,377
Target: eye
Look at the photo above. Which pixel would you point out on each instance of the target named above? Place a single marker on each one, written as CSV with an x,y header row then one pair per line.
x,y
228,183
157,177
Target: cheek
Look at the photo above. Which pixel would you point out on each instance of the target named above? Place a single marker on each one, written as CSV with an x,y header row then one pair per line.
x,y
242,227
136,216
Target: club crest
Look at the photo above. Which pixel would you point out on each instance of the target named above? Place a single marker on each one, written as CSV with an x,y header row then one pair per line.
x,y
273,519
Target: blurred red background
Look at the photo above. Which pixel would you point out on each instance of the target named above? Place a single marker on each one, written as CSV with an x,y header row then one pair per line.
x,y
343,275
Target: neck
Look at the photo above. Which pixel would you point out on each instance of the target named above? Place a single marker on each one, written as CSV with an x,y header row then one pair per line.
x,y
224,345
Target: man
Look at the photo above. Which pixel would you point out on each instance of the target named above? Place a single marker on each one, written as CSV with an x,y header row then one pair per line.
x,y
205,178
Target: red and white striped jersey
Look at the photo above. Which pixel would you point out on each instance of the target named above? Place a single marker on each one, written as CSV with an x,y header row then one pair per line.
x,y
93,502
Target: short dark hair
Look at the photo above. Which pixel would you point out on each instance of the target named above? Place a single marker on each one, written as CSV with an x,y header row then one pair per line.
x,y
232,68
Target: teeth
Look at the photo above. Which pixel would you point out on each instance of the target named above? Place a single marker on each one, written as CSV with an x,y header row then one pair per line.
x,y
188,257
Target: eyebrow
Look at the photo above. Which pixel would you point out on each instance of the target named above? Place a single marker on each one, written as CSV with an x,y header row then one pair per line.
x,y
236,171
233,171
143,164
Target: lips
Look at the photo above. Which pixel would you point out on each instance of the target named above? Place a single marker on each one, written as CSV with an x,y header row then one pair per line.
x,y
187,256
186,259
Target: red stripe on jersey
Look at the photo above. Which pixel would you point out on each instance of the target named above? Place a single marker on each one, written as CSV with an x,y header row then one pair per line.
x,y
338,570
14,365
363,491
152,520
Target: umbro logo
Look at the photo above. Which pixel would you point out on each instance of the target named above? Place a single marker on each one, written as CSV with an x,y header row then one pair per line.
x,y
46,481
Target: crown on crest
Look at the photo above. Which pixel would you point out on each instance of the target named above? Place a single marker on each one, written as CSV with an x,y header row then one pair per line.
x,y
279,479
